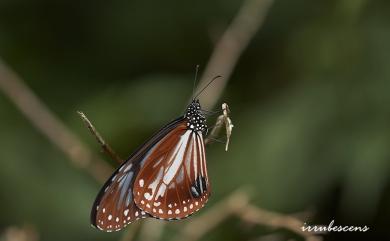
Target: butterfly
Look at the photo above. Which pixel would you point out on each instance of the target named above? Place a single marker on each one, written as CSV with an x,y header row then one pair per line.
x,y
166,178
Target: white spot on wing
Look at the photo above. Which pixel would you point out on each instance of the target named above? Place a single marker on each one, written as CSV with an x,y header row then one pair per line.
x,y
156,204
147,196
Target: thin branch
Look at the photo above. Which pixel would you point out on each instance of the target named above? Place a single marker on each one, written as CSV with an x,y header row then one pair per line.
x,y
230,47
24,233
50,125
104,145
228,123
275,220
221,120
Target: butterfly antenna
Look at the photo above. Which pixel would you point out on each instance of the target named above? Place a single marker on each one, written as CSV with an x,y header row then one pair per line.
x,y
209,83
195,79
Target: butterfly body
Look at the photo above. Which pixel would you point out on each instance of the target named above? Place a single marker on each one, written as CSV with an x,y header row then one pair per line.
x,y
166,178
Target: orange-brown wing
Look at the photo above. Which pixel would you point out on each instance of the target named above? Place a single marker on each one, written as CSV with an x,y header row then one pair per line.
x,y
172,182
114,207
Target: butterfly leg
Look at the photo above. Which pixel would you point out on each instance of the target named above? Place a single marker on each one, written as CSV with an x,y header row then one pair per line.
x,y
218,140
211,113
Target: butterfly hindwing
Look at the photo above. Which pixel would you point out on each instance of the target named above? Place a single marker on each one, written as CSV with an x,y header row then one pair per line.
x,y
173,181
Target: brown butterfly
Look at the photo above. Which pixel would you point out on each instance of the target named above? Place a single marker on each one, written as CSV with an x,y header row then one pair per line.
x,y
166,178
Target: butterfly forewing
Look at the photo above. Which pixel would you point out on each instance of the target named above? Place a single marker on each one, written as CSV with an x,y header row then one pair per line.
x,y
173,181
114,207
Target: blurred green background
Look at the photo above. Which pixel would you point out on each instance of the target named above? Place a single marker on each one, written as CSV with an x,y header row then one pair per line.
x,y
310,100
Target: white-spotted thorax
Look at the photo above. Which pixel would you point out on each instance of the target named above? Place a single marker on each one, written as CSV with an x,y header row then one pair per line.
x,y
195,120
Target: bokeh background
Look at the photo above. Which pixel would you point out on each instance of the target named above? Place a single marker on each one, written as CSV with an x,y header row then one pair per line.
x,y
310,100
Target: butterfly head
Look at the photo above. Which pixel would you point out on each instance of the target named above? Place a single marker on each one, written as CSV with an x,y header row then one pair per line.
x,y
195,120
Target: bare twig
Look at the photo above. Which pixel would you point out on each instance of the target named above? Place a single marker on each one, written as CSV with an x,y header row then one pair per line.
x,y
221,120
260,216
228,123
105,146
49,124
230,47
25,233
